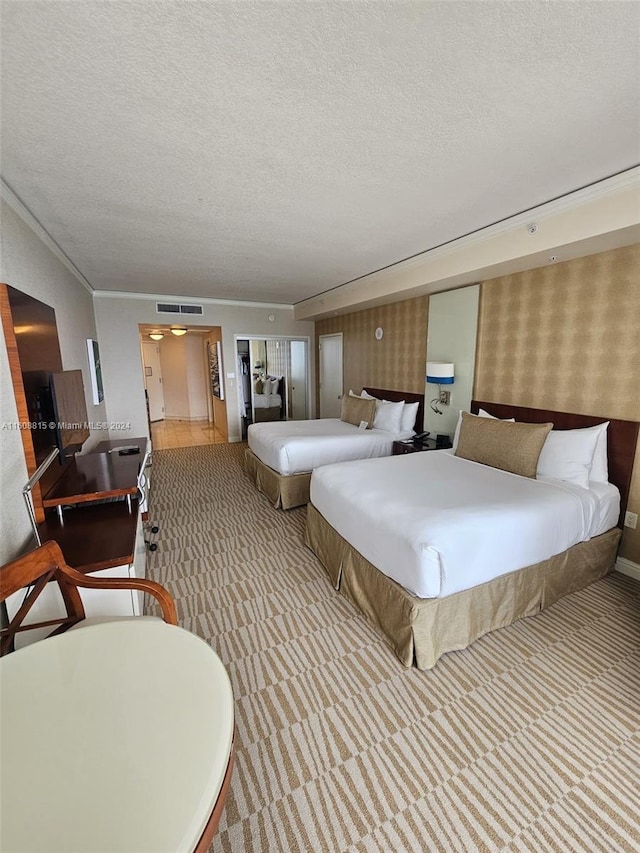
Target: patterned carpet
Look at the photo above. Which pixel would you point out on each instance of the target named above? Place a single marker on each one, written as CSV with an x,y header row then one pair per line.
x,y
527,741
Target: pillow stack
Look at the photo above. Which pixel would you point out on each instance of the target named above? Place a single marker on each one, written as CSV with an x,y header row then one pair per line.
x,y
509,446
355,410
573,455
481,414
576,456
396,418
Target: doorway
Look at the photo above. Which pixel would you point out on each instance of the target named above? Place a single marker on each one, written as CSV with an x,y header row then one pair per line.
x,y
178,388
153,380
331,376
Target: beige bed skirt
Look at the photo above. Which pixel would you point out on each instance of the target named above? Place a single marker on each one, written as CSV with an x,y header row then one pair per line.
x,y
283,491
420,630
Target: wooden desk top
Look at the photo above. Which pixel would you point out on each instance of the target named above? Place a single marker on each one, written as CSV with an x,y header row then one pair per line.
x,y
94,537
115,443
98,475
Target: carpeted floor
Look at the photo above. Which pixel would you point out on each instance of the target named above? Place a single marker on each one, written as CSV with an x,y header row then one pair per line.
x,y
527,741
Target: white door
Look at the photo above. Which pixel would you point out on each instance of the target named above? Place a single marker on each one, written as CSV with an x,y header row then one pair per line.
x,y
330,375
298,380
153,380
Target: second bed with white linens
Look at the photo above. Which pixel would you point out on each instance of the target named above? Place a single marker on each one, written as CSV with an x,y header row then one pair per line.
x,y
438,524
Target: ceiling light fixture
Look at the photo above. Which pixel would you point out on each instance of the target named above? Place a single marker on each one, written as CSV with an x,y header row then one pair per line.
x,y
178,332
156,336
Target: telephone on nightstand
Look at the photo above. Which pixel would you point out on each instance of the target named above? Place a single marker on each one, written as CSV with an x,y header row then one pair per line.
x,y
421,436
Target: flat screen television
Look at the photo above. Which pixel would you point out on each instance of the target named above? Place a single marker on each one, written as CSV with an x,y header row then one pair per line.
x,y
69,411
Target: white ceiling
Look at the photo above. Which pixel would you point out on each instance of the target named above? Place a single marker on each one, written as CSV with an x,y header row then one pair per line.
x,y
274,150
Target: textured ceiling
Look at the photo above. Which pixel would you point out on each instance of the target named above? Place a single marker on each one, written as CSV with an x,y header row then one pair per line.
x,y
274,150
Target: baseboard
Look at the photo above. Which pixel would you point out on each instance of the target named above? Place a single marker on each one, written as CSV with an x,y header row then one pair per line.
x,y
627,567
183,418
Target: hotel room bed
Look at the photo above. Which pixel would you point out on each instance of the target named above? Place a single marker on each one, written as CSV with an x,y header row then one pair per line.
x,y
281,456
268,407
437,550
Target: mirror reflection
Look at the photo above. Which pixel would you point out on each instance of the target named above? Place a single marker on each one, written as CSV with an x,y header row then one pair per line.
x,y
272,380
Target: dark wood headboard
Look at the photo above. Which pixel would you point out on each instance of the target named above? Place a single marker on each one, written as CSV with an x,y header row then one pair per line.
x,y
622,438
399,396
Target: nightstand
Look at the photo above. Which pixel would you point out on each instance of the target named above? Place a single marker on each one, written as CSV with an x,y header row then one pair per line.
x,y
401,447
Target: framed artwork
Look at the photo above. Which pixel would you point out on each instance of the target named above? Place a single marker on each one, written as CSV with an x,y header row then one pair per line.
x,y
215,369
95,371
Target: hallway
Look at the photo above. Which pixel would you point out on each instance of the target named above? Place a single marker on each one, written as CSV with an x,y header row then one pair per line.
x,y
168,434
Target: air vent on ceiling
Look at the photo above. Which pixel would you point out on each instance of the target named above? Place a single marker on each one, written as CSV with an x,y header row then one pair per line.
x,y
175,308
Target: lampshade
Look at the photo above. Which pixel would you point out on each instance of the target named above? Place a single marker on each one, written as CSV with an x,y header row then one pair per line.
x,y
440,372
179,332
156,336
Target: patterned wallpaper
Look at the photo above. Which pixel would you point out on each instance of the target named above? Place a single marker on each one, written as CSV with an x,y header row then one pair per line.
x,y
567,337
564,337
397,361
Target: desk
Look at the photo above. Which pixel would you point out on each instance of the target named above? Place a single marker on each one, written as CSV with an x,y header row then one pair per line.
x,y
98,475
94,537
117,736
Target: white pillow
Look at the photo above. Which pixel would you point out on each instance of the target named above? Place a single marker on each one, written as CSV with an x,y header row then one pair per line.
x,y
367,396
567,454
599,464
267,386
481,414
409,416
388,416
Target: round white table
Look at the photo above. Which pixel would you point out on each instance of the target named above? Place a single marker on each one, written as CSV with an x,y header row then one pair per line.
x,y
114,737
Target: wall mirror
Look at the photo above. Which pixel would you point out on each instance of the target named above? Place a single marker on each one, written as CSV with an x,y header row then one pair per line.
x,y
451,338
273,383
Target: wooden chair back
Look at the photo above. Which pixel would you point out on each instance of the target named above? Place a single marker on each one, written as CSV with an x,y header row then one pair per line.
x,y
45,564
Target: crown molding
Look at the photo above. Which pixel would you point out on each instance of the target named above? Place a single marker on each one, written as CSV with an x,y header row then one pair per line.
x,y
189,300
8,195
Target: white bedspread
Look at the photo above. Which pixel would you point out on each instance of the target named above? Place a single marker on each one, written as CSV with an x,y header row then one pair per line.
x,y
438,524
295,447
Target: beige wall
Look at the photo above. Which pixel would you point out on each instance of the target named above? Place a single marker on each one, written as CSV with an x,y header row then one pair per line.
x,y
398,361
567,337
29,266
117,319
563,337
173,361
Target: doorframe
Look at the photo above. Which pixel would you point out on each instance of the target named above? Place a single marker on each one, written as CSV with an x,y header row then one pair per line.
x,y
320,337
144,343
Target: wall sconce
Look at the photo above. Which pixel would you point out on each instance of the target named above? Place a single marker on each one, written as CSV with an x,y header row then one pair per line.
x,y
178,331
440,373
156,336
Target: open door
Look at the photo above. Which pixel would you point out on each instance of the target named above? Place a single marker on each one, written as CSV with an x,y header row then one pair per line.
x,y
153,380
